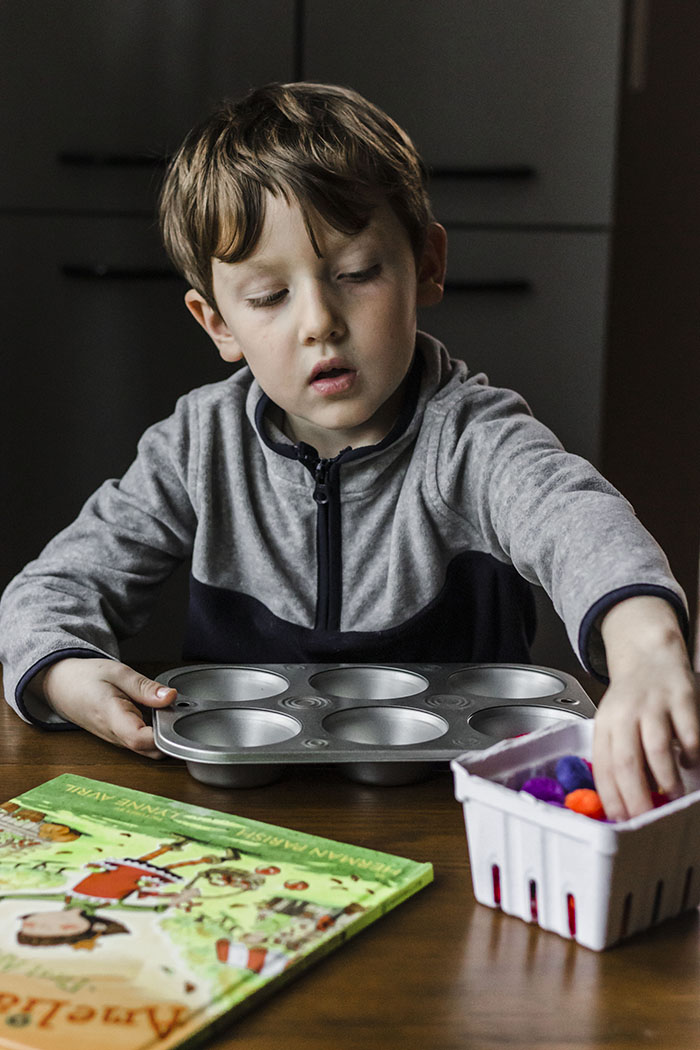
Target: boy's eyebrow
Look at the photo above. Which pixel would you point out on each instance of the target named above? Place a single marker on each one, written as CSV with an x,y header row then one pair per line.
x,y
252,267
257,266
248,269
250,263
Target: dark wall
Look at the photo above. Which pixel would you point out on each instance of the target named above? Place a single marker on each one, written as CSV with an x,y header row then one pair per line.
x,y
651,431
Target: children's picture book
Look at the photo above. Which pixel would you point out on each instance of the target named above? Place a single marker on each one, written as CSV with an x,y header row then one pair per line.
x,y
130,921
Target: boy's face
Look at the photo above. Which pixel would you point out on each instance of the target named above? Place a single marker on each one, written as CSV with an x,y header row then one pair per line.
x,y
330,339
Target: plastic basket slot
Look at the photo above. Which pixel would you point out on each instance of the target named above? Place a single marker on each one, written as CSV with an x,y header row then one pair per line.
x,y
533,900
571,913
496,879
686,888
626,910
656,908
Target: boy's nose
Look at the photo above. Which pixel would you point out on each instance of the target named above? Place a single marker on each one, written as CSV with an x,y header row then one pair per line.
x,y
320,320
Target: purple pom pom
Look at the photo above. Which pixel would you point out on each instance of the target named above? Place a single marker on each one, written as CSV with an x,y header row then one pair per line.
x,y
546,789
573,773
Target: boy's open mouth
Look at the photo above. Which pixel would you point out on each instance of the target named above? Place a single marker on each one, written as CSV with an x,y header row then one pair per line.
x,y
332,377
331,373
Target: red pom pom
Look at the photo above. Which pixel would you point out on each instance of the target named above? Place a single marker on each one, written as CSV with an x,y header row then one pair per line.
x,y
586,801
659,798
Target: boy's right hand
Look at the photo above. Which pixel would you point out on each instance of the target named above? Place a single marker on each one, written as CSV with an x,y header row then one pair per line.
x,y
101,696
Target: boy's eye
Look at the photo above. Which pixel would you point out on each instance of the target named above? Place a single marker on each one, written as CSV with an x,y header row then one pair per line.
x,y
267,300
362,275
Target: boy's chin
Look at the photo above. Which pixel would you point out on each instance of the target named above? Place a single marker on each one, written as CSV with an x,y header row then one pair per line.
x,y
341,426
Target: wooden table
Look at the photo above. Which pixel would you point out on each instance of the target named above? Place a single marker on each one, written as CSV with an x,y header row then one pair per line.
x,y
440,971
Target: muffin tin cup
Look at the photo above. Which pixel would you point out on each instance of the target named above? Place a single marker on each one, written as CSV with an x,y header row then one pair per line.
x,y
243,725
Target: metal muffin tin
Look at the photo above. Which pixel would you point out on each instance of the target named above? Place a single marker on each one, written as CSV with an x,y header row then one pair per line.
x,y
242,725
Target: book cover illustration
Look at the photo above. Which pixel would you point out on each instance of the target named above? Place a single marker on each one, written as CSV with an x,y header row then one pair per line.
x,y
130,921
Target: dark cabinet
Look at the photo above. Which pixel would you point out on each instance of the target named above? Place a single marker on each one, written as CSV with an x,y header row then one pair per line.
x,y
513,103
96,341
96,93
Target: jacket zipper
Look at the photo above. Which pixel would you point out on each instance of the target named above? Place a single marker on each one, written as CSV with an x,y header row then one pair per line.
x,y
326,495
324,544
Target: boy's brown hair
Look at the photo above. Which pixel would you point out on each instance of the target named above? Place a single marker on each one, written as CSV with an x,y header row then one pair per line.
x,y
324,146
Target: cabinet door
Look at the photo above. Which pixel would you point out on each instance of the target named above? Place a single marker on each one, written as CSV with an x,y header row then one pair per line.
x,y
512,103
96,92
528,309
97,344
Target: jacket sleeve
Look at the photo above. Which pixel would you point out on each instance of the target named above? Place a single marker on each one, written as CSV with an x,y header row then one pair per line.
x,y
548,512
96,581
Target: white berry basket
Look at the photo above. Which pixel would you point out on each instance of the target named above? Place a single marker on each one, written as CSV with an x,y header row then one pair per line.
x,y
587,880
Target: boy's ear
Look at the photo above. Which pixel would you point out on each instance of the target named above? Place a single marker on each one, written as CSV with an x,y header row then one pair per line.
x,y
214,325
432,266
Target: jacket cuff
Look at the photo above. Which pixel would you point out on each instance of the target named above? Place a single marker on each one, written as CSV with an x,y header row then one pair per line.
x,y
33,708
590,640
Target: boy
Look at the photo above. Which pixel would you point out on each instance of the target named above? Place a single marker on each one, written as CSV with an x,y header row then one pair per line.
x,y
354,494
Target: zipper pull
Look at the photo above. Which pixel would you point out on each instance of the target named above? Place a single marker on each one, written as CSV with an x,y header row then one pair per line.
x,y
321,478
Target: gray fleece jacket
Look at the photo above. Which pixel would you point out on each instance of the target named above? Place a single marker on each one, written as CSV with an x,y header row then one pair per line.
x,y
415,549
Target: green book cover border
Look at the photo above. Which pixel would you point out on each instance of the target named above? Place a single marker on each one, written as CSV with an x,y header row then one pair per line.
x,y
157,815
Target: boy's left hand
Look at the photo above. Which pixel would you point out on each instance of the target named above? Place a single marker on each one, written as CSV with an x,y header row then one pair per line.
x,y
648,721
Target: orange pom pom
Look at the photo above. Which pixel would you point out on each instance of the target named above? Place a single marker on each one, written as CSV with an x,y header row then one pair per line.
x,y
586,801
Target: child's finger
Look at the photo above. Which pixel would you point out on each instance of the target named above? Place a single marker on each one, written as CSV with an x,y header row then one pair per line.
x,y
138,687
626,774
631,776
686,724
656,737
144,744
603,772
130,730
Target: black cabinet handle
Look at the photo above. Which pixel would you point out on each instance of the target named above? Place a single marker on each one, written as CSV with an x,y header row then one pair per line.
x,y
77,159
496,172
504,287
104,272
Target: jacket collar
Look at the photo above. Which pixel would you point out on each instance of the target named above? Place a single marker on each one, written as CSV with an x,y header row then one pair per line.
x,y
275,440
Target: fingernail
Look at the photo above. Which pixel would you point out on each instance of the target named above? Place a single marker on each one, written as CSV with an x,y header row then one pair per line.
x,y
162,692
